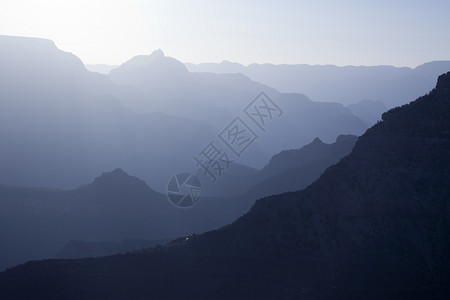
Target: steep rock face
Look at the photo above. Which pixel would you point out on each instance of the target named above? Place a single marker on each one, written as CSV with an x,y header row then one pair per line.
x,y
400,167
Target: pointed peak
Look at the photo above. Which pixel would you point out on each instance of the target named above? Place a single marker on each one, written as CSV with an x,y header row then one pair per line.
x,y
118,181
317,140
117,171
227,62
158,53
142,60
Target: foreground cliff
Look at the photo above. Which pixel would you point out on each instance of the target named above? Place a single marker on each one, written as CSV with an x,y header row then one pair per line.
x,y
374,226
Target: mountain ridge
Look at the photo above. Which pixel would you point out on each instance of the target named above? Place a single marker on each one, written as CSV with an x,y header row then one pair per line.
x,y
373,226
306,162
344,84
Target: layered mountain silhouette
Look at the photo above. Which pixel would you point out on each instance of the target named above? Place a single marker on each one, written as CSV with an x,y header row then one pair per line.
x,y
348,84
373,226
295,170
289,170
217,98
115,206
61,124
171,88
151,116
304,120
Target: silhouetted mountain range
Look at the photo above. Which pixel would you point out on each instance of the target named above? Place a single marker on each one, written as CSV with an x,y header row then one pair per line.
x,y
150,117
217,98
350,84
118,206
289,170
171,88
374,226
115,206
295,170
58,117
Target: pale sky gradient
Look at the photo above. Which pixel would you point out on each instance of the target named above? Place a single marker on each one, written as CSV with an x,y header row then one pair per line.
x,y
401,33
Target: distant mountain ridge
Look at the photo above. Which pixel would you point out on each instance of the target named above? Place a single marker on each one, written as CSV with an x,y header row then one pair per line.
x,y
57,116
347,84
289,170
307,154
301,174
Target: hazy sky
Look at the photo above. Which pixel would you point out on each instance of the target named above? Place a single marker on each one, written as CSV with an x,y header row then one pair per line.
x,y
401,33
